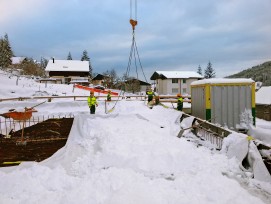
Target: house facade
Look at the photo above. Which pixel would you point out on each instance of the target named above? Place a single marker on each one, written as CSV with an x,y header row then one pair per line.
x,y
137,85
68,70
174,82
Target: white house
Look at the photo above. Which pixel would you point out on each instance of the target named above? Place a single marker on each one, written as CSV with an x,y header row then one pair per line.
x,y
173,82
68,70
17,60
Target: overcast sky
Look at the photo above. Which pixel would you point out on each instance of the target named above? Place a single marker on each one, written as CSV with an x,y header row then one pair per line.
x,y
171,34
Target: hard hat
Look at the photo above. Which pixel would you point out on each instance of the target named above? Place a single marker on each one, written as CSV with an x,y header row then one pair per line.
x,y
91,92
179,95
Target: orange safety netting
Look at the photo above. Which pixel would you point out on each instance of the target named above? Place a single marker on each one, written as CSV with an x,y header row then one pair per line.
x,y
95,90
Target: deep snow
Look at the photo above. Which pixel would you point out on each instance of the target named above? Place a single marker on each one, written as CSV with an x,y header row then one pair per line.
x,y
129,156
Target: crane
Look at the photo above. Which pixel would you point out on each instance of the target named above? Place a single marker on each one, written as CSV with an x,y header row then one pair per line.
x,y
133,22
134,55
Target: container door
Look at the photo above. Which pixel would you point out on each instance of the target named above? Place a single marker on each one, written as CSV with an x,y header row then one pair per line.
x,y
228,103
198,102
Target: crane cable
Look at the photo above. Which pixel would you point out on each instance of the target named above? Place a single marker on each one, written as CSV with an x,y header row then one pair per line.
x,y
131,9
133,52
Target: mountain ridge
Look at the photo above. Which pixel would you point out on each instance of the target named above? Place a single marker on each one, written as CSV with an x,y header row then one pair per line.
x,y
260,73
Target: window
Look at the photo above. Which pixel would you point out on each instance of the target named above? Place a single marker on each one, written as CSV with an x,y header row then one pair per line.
x,y
184,81
174,81
175,91
184,91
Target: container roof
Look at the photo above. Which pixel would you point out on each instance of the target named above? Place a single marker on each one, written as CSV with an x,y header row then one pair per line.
x,y
68,65
223,81
175,75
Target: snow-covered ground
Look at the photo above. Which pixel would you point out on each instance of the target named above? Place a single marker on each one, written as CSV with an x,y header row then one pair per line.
x,y
131,155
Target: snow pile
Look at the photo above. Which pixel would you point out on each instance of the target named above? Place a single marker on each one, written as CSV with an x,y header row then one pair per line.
x,y
126,158
241,147
129,156
261,134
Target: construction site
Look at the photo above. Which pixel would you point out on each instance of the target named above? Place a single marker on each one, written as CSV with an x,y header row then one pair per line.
x,y
174,133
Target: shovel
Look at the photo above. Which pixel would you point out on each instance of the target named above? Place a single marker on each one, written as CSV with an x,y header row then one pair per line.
x,y
110,111
37,104
180,134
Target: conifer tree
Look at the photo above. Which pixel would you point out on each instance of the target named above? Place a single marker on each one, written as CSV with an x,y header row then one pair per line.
x,y
2,64
5,52
85,57
199,71
70,56
209,72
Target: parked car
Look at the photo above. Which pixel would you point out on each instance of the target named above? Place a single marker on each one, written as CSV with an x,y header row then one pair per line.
x,y
99,87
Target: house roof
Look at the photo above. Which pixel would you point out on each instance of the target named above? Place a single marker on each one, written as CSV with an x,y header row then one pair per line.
x,y
175,75
141,83
263,95
99,77
17,60
67,65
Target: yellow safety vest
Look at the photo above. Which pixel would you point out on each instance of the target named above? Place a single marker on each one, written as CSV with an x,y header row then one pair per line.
x,y
92,100
180,100
108,96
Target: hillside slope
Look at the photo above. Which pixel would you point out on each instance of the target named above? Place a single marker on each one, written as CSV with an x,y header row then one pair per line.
x,y
260,72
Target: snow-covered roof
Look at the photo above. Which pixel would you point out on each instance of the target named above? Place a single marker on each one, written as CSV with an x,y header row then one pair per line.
x,y
263,95
17,60
222,81
175,75
67,65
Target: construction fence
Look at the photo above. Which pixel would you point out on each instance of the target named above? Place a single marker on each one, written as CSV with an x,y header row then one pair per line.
x,y
8,125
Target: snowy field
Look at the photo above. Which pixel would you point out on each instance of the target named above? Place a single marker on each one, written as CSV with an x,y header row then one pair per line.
x,y
130,156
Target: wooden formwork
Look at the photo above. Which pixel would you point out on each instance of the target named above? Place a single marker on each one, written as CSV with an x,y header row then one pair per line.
x,y
42,140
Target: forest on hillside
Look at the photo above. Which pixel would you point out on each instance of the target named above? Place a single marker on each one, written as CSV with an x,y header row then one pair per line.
x,y
260,73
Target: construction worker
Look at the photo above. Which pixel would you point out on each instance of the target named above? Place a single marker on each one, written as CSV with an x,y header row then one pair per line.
x,y
92,102
150,94
179,102
109,96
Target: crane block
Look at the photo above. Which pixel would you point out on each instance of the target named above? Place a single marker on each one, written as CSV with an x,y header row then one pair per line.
x,y
133,23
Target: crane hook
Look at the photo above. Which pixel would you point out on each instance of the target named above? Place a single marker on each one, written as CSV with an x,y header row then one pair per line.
x,y
133,23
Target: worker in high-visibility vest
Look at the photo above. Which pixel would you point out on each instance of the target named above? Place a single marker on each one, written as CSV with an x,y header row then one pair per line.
x,y
150,95
179,102
108,96
92,102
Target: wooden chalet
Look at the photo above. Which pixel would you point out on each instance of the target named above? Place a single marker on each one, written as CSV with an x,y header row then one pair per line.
x,y
69,71
100,79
